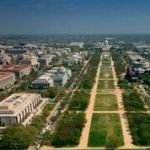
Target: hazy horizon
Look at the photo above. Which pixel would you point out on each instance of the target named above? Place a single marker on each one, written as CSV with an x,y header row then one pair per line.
x,y
46,17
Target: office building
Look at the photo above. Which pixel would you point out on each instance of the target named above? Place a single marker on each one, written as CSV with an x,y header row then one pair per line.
x,y
43,82
6,80
60,75
18,107
18,70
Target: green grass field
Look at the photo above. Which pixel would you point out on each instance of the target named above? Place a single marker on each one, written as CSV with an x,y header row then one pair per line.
x,y
105,131
106,84
106,73
105,102
105,91
106,62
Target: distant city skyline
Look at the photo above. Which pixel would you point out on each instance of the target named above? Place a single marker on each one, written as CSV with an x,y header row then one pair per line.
x,y
74,16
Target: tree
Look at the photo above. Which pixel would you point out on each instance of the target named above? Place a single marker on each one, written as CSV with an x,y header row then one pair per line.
x,y
79,100
140,128
132,100
68,130
50,92
18,137
128,76
124,84
47,109
79,120
46,138
38,122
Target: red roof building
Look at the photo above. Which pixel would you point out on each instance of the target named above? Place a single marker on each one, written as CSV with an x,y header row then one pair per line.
x,y
18,70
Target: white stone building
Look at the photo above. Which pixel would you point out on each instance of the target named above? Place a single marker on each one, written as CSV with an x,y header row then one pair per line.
x,y
18,107
60,75
77,44
43,82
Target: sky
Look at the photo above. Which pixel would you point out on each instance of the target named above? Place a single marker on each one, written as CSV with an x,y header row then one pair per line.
x,y
74,16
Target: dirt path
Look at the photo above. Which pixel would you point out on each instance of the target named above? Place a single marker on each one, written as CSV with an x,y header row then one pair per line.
x,y
107,79
106,75
83,144
124,122
85,133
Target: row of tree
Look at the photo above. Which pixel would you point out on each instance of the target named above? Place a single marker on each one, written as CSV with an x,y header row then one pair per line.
x,y
124,84
51,92
80,100
132,100
68,130
89,77
120,66
145,78
140,128
18,137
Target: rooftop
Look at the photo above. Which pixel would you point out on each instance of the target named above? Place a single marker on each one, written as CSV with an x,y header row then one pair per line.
x,y
4,74
135,56
13,67
15,102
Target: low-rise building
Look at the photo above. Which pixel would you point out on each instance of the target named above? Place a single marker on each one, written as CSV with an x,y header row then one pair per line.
x,y
33,62
70,61
30,59
77,44
75,58
45,60
84,54
60,75
139,63
18,70
6,80
18,107
5,59
135,58
16,51
43,82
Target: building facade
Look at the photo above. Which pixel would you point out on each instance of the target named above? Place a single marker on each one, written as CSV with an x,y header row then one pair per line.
x,y
45,60
18,70
17,107
6,80
60,75
43,82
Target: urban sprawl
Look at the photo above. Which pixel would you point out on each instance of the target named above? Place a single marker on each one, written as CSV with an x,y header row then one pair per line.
x,y
75,94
